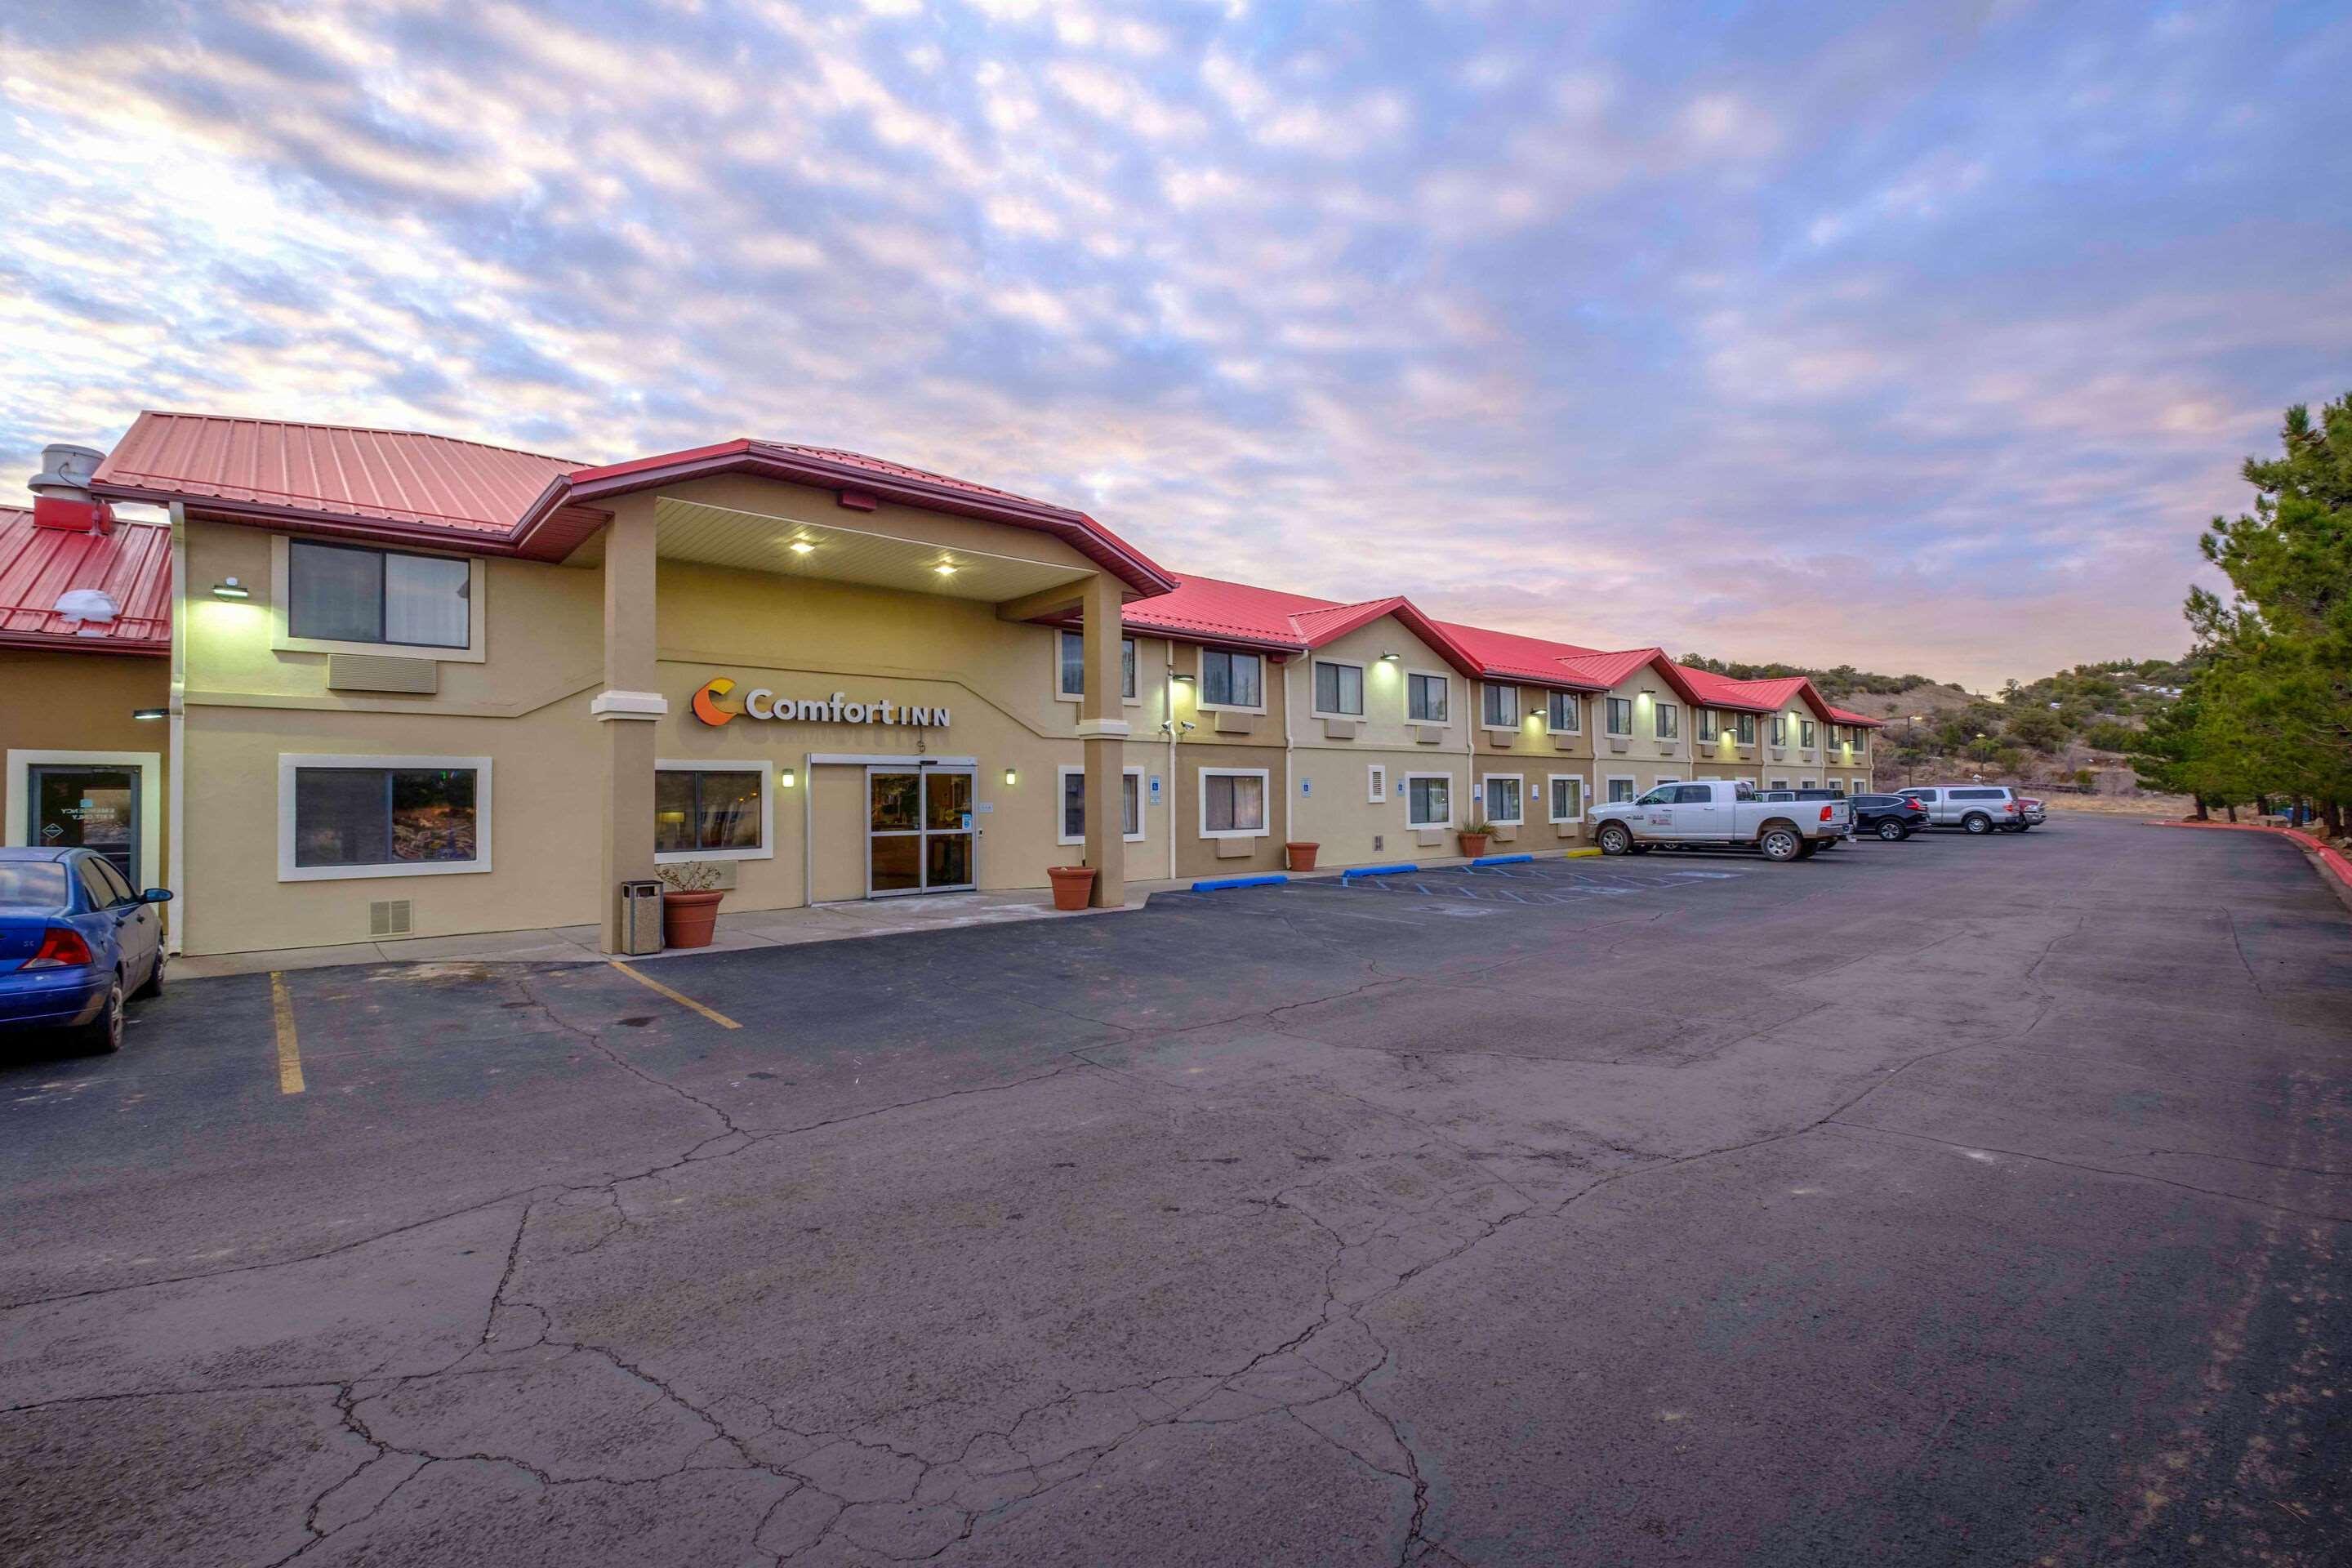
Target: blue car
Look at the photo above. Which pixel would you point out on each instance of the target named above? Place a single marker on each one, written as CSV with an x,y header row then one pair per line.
x,y
75,942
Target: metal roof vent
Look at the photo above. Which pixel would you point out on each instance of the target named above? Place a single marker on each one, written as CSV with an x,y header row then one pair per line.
x,y
61,498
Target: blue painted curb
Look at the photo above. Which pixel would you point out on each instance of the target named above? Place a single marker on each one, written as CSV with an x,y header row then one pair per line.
x,y
1398,870
1502,860
1270,879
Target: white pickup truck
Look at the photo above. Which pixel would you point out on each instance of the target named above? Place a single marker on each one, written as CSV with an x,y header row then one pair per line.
x,y
1717,812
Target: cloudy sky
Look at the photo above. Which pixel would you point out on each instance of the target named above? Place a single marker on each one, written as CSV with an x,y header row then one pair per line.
x,y
1919,337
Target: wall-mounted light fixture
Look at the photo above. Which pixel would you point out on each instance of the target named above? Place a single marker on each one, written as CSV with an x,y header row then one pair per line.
x,y
151,712
1180,678
230,588
1012,776
786,778
1391,657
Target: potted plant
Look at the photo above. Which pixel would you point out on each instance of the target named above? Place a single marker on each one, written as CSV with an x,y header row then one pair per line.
x,y
690,895
1301,856
1475,834
1073,885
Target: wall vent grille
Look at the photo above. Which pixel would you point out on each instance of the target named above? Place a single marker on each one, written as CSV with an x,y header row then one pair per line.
x,y
391,917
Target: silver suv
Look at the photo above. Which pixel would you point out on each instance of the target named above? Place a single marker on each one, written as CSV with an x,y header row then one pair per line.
x,y
1975,808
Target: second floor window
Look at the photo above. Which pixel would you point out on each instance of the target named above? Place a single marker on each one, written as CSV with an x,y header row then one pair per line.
x,y
1424,699
1779,730
1806,733
1338,688
341,593
1232,679
1620,715
1073,665
1743,728
1709,726
1567,715
1502,705
1668,720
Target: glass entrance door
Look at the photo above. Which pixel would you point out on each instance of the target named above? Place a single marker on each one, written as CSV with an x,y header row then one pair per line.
x,y
919,831
76,805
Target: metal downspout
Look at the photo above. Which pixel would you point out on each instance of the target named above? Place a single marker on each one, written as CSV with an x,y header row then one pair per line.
x,y
175,809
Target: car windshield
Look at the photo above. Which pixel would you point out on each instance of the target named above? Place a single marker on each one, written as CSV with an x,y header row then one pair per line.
x,y
37,884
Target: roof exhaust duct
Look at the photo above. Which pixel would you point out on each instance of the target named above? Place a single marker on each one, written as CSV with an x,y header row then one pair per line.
x,y
61,496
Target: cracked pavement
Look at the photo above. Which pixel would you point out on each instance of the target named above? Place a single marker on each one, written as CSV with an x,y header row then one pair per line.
x,y
1941,1202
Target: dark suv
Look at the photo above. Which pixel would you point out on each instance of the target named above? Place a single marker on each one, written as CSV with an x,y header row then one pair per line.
x,y
1892,817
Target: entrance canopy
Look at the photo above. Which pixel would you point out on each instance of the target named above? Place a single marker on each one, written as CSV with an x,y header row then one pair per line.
x,y
793,546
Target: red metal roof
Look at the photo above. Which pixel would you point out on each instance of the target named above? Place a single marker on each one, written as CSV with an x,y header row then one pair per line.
x,y
332,471
131,566
1722,691
406,485
1226,612
1847,716
1515,656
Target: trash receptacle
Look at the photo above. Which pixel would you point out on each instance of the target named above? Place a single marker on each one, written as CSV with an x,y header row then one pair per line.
x,y
641,917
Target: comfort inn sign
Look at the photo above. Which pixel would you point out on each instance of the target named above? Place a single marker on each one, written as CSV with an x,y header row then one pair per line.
x,y
711,706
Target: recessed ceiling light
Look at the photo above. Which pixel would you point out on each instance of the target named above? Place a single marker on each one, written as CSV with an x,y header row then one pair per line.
x,y
945,568
802,547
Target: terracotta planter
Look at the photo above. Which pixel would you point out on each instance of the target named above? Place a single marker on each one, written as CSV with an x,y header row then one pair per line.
x,y
689,918
1302,856
1473,845
1072,885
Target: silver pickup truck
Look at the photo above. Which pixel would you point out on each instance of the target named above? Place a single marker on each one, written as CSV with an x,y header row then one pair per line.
x,y
1714,812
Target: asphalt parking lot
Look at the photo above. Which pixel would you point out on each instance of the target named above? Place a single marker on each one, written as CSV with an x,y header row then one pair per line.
x,y
1955,1200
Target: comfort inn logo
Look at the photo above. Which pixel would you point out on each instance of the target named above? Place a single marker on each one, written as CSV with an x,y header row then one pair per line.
x,y
761,703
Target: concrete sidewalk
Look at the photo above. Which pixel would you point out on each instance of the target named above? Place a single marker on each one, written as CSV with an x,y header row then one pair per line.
x,y
755,928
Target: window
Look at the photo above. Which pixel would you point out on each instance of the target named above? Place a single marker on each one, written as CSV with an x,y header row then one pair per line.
x,y
1502,706
1743,728
1693,795
1339,688
1619,787
381,816
1074,804
1860,784
1377,783
1806,734
1429,800
700,811
1232,679
1424,699
1233,802
1620,715
1669,721
1070,675
1709,726
1503,800
342,593
1809,783
1665,781
40,883
1777,784
1663,795
1779,730
1567,797
1567,715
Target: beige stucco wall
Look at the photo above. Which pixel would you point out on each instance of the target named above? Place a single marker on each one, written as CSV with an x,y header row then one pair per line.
x,y
1330,799
1643,757
68,701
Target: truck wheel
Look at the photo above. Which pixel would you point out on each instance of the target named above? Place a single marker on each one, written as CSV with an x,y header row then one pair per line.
x,y
1890,831
1780,842
1614,839
1810,847
1977,822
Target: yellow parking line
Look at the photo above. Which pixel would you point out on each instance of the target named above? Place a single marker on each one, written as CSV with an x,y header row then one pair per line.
x,y
289,1054
650,983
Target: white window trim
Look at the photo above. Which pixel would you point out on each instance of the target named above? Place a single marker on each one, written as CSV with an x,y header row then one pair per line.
x,y
1062,696
477,599
1608,779
1583,797
1265,799
1860,786
1778,783
1658,712
1201,681
291,763
1363,690
19,799
1611,732
1376,783
1485,687
1700,718
1810,784
1142,804
1662,779
767,849
1575,725
1405,793
1406,698
1518,821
